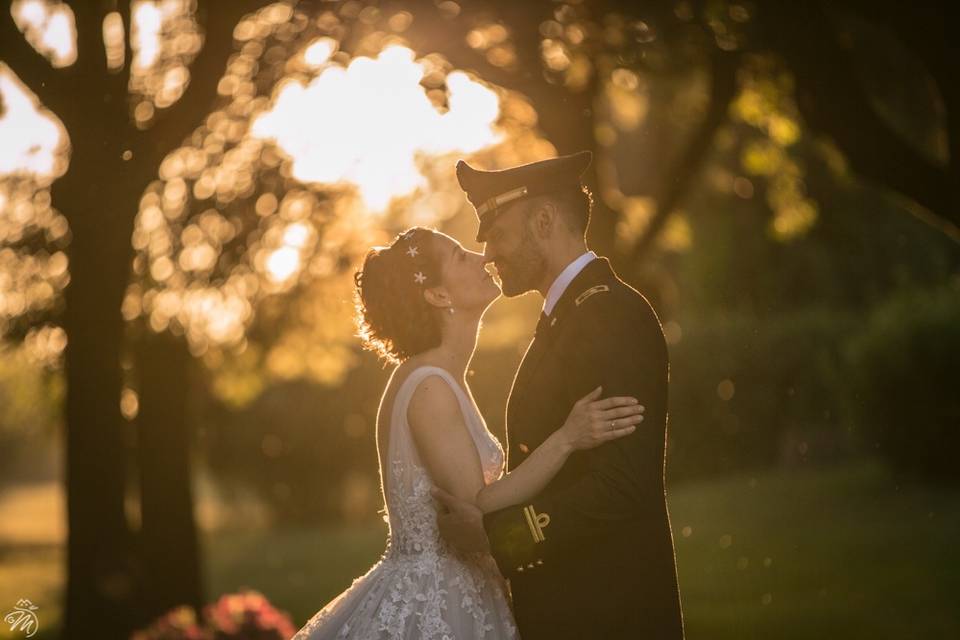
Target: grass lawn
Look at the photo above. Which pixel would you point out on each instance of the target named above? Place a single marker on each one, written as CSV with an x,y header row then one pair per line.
x,y
839,552
842,553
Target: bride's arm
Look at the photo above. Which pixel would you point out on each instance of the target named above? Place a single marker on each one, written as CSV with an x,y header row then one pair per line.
x,y
590,424
443,439
448,452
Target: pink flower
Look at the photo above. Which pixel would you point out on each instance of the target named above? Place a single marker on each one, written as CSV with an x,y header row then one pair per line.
x,y
234,616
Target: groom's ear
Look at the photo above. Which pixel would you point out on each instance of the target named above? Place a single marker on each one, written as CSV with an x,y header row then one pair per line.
x,y
544,218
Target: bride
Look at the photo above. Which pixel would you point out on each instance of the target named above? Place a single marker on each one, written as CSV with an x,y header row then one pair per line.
x,y
419,304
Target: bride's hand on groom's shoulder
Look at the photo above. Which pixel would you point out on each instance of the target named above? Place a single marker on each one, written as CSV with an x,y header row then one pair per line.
x,y
593,421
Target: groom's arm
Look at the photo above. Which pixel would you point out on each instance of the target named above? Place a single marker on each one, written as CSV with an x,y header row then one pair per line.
x,y
620,347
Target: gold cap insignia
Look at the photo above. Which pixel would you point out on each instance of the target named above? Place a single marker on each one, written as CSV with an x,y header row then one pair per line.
x,y
499,200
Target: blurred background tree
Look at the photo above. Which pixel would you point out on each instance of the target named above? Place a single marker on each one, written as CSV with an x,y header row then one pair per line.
x,y
85,63
178,239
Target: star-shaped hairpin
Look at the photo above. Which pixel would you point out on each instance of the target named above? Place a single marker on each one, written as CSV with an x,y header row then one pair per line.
x,y
419,277
412,251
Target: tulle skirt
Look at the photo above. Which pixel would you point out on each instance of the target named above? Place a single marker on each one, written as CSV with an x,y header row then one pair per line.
x,y
419,596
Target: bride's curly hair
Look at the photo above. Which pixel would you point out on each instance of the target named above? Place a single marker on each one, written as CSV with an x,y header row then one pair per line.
x,y
393,318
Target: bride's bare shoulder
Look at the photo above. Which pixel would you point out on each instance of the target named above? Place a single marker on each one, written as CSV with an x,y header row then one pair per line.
x,y
398,376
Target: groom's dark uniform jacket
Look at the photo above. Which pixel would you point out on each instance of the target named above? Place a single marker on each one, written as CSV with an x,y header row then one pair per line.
x,y
592,555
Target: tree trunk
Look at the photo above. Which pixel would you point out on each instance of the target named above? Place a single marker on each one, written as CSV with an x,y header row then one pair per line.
x,y
99,196
101,582
169,545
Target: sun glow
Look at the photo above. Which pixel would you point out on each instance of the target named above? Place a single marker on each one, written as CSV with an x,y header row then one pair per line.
x,y
49,28
147,22
365,124
283,264
31,138
319,51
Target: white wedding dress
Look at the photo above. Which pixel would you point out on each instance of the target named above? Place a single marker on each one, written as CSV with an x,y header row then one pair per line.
x,y
419,589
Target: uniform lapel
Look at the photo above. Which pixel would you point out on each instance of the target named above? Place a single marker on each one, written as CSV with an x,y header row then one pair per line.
x,y
529,364
596,271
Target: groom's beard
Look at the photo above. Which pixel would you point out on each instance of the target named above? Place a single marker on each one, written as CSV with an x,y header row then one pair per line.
x,y
523,269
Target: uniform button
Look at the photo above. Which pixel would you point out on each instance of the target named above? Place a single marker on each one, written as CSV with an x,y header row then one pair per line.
x,y
524,448
553,322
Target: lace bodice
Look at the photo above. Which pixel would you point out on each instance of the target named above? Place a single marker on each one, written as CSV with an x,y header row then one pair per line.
x,y
411,510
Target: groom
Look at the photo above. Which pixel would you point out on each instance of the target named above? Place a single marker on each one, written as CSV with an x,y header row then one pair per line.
x,y
592,555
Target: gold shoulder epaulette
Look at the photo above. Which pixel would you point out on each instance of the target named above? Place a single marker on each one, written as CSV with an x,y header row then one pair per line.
x,y
589,292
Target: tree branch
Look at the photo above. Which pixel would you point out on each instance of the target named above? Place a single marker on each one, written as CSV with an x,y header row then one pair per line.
x,y
676,182
175,123
87,81
832,102
923,28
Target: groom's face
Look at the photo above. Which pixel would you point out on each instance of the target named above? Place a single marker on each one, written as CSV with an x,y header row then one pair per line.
x,y
513,249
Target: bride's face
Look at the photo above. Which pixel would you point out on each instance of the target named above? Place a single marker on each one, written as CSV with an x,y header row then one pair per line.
x,y
466,280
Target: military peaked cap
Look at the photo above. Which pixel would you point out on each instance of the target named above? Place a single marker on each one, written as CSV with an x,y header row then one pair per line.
x,y
490,191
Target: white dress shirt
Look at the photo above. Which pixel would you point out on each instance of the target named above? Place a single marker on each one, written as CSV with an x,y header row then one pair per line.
x,y
564,279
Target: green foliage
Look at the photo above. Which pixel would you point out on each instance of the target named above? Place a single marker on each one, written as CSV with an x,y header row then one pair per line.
x,y
905,366
30,400
308,451
773,317
748,391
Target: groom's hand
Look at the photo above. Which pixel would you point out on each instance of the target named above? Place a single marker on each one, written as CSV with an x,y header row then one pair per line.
x,y
460,523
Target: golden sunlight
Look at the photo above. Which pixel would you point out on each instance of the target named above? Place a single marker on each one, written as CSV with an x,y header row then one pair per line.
x,y
283,263
358,131
319,51
113,40
49,28
32,138
365,124
147,23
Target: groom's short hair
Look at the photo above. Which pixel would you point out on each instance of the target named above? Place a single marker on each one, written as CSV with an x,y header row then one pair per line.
x,y
575,205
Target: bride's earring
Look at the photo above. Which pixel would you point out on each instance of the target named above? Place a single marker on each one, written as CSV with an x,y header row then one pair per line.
x,y
450,310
